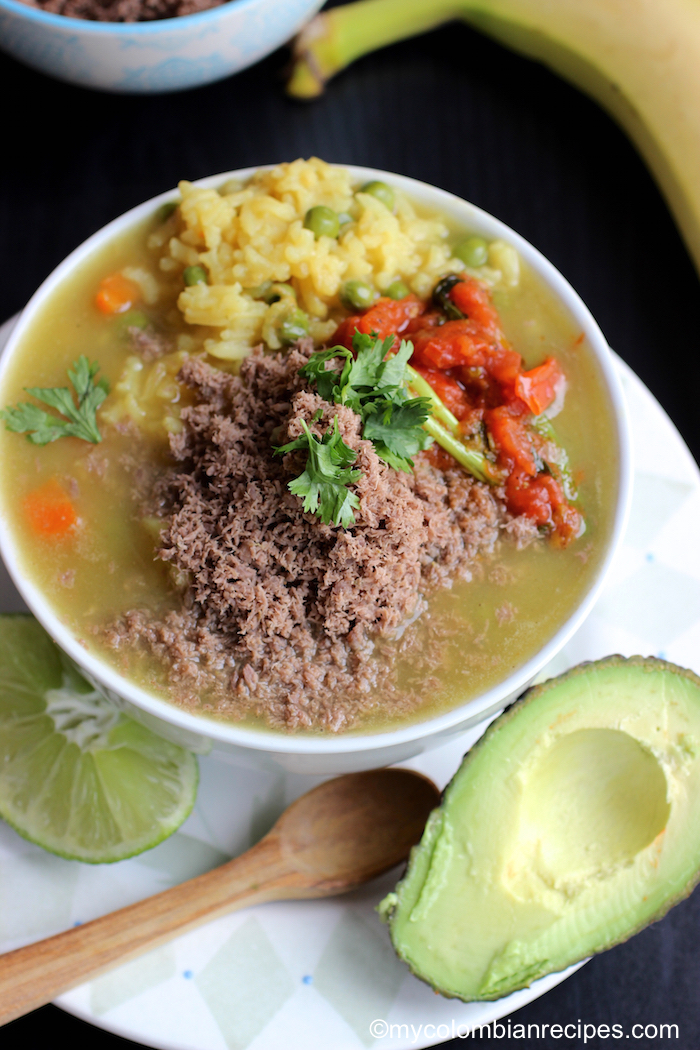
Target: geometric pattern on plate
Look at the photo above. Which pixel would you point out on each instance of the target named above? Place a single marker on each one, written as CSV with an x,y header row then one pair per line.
x,y
245,984
132,979
359,973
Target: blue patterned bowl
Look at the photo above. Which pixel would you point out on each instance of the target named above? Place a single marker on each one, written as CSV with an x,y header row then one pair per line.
x,y
140,57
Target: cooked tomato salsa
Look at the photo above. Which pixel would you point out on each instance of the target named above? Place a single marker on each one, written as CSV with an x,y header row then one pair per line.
x,y
460,349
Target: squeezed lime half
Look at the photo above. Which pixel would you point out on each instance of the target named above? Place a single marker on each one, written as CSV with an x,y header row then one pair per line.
x,y
76,775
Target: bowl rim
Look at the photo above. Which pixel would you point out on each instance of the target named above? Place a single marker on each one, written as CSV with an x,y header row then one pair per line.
x,y
230,734
123,28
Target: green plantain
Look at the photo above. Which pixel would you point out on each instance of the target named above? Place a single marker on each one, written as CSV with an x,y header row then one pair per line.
x,y
640,59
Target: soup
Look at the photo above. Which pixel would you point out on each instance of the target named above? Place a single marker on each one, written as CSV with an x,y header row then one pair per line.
x,y
298,259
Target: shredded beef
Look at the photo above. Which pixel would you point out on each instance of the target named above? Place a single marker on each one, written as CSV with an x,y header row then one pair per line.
x,y
123,10
283,616
523,530
149,343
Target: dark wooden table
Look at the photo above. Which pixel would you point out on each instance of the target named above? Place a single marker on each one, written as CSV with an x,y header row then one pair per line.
x,y
451,109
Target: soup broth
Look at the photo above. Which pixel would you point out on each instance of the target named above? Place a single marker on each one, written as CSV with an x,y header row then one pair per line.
x,y
471,635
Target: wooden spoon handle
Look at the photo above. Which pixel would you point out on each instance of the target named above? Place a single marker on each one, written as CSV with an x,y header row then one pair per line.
x,y
31,977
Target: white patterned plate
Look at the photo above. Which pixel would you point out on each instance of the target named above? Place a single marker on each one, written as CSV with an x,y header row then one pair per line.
x,y
314,975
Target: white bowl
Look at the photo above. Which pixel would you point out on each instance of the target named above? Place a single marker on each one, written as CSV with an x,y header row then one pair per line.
x,y
168,54
349,752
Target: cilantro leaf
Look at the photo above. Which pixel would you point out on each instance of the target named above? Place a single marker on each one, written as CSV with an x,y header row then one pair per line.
x,y
373,384
364,376
42,427
328,381
396,430
365,370
372,373
323,484
376,384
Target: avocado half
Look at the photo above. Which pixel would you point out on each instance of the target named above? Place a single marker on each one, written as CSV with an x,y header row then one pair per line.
x,y
571,825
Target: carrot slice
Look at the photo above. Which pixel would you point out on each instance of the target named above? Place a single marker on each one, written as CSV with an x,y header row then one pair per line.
x,y
49,511
116,294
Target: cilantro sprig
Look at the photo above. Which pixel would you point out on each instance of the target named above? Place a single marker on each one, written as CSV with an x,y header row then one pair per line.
x,y
396,431
323,485
80,421
376,383
373,385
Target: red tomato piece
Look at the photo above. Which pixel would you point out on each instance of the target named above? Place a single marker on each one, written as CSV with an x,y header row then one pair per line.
x,y
567,520
511,439
389,316
345,331
538,387
453,343
504,365
568,525
473,298
542,500
430,319
386,317
526,495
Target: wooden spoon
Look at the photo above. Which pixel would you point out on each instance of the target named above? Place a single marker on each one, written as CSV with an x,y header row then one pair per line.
x,y
337,836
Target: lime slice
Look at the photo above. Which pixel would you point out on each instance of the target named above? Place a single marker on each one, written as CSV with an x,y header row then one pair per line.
x,y
76,776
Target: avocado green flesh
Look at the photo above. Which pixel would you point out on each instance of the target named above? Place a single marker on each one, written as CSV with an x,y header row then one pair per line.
x,y
571,825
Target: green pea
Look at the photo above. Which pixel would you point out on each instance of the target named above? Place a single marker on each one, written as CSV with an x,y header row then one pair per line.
x,y
195,275
294,327
133,319
382,192
397,290
259,291
357,295
474,251
270,292
166,210
322,221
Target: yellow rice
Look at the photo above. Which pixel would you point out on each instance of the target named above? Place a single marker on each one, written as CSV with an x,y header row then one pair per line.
x,y
245,236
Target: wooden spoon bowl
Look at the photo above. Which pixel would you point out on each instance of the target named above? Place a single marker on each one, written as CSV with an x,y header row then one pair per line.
x,y
332,839
351,829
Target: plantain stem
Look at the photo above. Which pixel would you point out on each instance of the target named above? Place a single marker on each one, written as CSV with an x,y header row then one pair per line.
x,y
334,39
